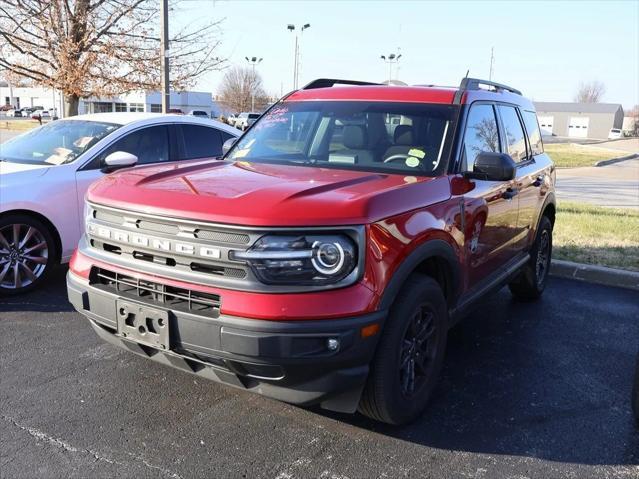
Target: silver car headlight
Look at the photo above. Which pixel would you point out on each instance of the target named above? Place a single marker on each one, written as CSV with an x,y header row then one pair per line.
x,y
87,215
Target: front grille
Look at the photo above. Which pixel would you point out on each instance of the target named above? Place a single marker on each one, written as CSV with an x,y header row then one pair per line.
x,y
169,234
222,237
171,227
165,228
108,217
151,292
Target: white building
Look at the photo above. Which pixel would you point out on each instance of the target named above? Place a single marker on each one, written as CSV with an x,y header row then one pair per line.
x,y
146,101
29,97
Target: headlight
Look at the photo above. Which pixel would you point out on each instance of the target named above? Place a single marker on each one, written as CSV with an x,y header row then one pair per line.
x,y
301,260
88,214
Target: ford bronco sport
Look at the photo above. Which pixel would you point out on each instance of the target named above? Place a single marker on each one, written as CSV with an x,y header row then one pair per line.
x,y
324,258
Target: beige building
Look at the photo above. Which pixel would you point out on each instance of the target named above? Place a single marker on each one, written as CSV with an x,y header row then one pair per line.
x,y
578,120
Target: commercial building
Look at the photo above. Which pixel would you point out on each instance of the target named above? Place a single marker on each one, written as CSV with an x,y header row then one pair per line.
x,y
145,101
149,101
578,120
29,97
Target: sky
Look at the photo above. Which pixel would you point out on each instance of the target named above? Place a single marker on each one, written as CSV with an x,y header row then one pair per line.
x,y
542,48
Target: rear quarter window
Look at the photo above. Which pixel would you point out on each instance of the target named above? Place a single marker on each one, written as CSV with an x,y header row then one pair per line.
x,y
513,133
534,135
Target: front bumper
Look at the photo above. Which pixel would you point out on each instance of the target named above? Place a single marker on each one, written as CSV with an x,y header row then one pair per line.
x,y
285,360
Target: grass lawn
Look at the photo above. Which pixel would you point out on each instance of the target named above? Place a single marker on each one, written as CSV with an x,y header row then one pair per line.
x,y
570,155
597,235
18,125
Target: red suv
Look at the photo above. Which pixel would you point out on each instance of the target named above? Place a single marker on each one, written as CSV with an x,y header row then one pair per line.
x,y
324,258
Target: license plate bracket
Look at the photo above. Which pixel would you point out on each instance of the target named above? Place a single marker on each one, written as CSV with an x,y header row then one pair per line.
x,y
149,326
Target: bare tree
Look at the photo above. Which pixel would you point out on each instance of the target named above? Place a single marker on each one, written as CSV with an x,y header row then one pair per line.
x,y
238,86
634,126
590,92
89,48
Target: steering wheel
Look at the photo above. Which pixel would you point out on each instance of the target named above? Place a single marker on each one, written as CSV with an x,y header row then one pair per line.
x,y
398,157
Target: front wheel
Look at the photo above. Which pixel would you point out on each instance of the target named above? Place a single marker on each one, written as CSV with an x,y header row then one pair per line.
x,y
27,253
531,281
410,354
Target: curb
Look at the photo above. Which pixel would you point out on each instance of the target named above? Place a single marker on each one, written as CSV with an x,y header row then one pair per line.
x,y
595,274
617,160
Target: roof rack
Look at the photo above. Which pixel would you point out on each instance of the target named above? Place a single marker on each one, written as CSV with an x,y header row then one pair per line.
x,y
473,84
329,82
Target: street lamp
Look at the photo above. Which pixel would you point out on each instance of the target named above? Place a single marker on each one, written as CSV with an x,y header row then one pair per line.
x,y
296,69
253,61
390,59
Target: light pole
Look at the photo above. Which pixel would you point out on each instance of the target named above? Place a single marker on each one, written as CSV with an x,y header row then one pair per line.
x,y
296,68
164,48
253,61
390,59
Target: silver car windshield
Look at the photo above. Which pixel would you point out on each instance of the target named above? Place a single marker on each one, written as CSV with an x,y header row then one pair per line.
x,y
55,143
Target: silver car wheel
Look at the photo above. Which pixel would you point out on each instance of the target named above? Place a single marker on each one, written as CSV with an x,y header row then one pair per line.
x,y
24,255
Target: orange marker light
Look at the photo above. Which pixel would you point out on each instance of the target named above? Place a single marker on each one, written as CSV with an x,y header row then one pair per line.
x,y
370,330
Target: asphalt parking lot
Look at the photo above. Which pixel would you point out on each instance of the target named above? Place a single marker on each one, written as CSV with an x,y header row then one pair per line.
x,y
615,185
529,391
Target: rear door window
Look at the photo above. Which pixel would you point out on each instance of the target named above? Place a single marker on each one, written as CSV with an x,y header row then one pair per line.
x,y
513,133
200,142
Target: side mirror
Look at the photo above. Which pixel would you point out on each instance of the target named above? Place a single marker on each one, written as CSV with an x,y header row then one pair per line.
x,y
493,166
228,144
117,160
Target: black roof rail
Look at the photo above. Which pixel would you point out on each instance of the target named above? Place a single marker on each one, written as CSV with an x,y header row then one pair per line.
x,y
473,84
329,82
432,85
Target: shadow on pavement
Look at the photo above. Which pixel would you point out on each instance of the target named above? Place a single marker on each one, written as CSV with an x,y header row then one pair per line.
x,y
548,380
50,297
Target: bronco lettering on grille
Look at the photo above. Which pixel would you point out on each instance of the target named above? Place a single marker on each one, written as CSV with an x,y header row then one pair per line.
x,y
159,244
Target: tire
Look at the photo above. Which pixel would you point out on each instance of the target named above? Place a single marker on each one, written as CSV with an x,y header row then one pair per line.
x,y
531,281
420,309
32,261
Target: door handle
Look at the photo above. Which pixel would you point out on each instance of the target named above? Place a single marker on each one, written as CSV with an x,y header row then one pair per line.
x,y
539,181
510,193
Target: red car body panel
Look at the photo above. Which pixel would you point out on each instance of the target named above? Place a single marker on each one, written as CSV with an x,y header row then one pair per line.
x,y
352,301
376,93
254,194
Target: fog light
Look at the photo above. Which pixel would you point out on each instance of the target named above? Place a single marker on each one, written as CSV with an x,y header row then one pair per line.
x,y
332,344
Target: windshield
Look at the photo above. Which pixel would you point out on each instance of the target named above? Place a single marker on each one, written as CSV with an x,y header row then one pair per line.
x,y
55,143
358,135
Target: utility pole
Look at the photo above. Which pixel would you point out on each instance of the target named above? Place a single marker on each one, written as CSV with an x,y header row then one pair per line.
x,y
390,59
296,59
164,48
492,59
253,61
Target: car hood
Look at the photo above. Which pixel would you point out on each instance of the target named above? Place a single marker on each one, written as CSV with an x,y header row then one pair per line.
x,y
23,170
257,194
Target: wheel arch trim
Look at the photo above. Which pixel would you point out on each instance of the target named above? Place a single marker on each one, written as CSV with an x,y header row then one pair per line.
x,y
40,217
435,248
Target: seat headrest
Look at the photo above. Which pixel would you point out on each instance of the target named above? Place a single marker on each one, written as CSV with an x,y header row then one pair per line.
x,y
354,137
403,135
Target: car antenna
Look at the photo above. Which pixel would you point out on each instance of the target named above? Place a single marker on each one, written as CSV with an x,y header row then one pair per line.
x,y
467,72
